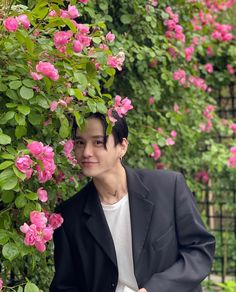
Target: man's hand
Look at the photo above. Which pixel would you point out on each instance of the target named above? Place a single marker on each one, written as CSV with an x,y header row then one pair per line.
x,y
142,290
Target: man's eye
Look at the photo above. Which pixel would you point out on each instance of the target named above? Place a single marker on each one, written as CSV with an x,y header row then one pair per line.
x,y
79,142
99,142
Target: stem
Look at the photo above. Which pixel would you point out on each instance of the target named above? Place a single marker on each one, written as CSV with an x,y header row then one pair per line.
x,y
9,8
5,210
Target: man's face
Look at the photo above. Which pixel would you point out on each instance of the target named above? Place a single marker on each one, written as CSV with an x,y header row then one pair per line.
x,y
94,159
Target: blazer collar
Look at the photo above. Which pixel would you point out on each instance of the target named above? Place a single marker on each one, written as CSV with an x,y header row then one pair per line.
x,y
140,215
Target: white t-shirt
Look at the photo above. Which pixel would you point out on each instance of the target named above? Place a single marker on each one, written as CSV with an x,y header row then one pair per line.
x,y
118,219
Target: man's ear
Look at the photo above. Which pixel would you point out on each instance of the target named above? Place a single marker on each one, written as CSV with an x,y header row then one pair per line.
x,y
124,146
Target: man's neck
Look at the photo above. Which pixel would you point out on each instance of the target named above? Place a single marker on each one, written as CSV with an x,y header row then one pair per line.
x,y
112,187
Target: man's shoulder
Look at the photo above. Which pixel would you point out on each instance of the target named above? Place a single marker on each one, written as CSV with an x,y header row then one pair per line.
x,y
157,173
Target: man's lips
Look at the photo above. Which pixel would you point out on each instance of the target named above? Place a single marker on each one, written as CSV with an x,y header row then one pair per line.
x,y
88,163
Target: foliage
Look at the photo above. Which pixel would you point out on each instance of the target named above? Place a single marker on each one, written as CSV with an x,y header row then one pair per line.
x,y
167,75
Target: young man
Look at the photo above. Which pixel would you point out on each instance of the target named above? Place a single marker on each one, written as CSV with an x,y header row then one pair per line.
x,y
128,230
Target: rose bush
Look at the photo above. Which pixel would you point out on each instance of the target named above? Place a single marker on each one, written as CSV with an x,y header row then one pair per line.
x,y
58,62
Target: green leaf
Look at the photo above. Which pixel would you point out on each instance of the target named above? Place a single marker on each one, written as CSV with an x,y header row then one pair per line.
x,y
126,18
5,139
31,206
20,37
6,117
29,83
25,110
69,24
10,251
20,131
101,108
64,129
29,45
35,118
81,78
5,164
10,183
3,237
32,196
92,106
31,287
3,87
8,197
7,156
11,105
97,40
20,201
26,93
20,119
77,93
20,289
15,84
91,70
18,173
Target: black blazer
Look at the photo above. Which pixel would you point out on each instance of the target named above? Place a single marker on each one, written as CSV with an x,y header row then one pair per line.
x,y
172,250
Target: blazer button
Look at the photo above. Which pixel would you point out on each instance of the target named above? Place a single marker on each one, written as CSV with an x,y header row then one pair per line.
x,y
113,285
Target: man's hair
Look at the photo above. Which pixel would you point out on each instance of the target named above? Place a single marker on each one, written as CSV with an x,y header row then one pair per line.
x,y
119,129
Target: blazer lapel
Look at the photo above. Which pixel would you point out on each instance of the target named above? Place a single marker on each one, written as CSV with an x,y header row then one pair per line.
x,y
97,224
140,212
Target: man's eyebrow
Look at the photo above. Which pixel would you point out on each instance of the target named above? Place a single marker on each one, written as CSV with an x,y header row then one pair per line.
x,y
95,136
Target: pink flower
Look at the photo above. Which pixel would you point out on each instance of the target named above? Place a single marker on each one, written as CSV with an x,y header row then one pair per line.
x,y
1,284
30,236
47,233
10,24
172,52
176,108
53,106
110,116
209,51
208,111
180,75
83,39
77,46
61,38
84,1
116,61
233,150
83,29
24,164
230,69
157,152
110,37
55,220
173,134
35,148
52,13
189,53
36,76
24,228
233,128
68,147
208,67
42,195
73,12
151,100
202,176
170,142
38,218
122,107
40,246
23,20
47,69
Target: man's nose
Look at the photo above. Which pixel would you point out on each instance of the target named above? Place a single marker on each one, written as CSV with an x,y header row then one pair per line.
x,y
88,150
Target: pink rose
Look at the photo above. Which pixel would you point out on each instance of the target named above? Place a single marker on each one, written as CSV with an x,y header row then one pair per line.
x,y
24,163
35,148
77,46
68,147
36,76
83,29
84,1
23,20
157,152
56,220
10,24
170,142
230,69
38,218
1,284
110,37
47,69
24,228
47,233
151,100
233,128
209,68
40,246
31,235
53,106
42,195
173,134
62,38
83,39
73,12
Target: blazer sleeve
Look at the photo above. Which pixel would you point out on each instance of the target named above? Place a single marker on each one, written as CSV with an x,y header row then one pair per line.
x,y
196,247
64,277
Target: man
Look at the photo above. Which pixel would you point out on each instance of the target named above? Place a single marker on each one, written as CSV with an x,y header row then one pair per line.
x,y
128,230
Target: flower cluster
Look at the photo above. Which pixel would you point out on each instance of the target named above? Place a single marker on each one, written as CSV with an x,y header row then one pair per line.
x,y
1,284
175,30
189,53
222,32
44,164
45,69
208,113
120,106
70,13
41,229
232,159
180,75
61,102
11,24
209,68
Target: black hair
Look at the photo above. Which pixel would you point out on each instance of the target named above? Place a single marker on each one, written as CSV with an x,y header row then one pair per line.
x,y
119,129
